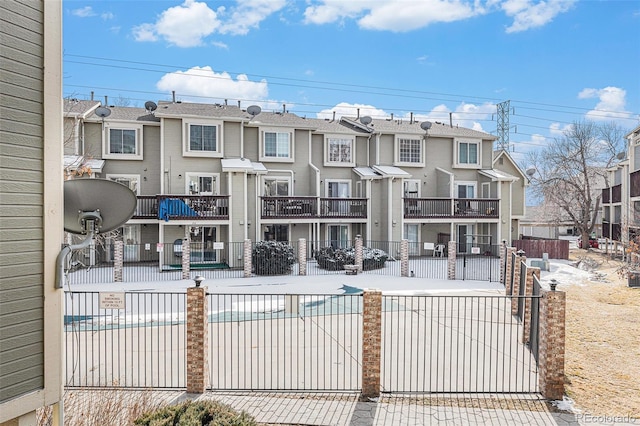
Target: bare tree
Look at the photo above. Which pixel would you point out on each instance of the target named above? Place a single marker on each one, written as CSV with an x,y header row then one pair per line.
x,y
571,172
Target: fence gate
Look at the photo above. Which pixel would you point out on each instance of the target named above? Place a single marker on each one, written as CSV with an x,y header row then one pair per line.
x,y
479,262
455,344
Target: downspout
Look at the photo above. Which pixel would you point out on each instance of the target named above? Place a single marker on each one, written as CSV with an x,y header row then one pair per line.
x,y
368,189
317,170
242,123
245,213
378,147
390,209
76,132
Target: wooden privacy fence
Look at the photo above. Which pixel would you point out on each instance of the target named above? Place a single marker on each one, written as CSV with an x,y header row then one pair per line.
x,y
557,249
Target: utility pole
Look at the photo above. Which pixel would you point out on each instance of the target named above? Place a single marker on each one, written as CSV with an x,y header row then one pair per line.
x,y
503,125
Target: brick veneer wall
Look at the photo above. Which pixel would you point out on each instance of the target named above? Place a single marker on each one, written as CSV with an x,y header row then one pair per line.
x,y
247,258
358,247
451,260
404,258
551,354
197,340
371,342
302,256
516,283
509,260
118,260
528,292
186,259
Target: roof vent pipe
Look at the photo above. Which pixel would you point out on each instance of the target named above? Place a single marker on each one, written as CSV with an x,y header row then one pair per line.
x,y
450,119
284,108
411,119
106,101
358,115
334,116
391,116
225,102
173,96
238,104
92,95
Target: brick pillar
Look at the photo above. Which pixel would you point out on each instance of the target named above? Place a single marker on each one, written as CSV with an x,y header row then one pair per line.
x,y
197,340
404,258
359,253
247,258
302,256
451,260
552,344
528,292
186,259
503,260
516,283
118,260
507,282
371,342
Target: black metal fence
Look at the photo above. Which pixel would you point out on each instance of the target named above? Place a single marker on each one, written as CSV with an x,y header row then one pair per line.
x,y
454,344
478,262
133,340
285,342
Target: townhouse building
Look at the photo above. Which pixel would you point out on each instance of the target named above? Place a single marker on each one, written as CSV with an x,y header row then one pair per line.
x,y
621,199
221,173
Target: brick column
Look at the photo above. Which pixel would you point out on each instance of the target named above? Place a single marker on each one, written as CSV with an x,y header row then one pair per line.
x,y
516,283
508,283
404,258
118,260
197,340
503,260
359,253
371,342
552,344
451,260
528,292
186,259
247,258
302,256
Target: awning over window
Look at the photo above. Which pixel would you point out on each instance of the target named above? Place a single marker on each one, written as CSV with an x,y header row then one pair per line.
x,y
242,165
391,171
78,162
366,173
497,175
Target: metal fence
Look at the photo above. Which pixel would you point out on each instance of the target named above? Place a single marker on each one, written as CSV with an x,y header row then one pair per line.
x,y
140,346
285,342
454,344
478,262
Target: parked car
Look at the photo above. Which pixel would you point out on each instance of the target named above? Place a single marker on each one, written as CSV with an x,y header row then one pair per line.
x,y
593,242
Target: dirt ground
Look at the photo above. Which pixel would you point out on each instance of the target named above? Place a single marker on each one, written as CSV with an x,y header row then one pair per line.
x,y
603,339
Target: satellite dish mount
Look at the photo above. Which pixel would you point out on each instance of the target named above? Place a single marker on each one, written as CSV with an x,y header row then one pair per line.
x,y
92,206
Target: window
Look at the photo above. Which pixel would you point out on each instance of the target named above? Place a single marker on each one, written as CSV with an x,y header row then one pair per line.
x,y
468,154
202,139
338,236
408,151
130,181
276,187
123,142
277,146
412,188
339,151
201,184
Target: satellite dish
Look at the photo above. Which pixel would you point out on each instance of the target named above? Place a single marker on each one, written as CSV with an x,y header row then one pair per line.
x,y
103,112
92,206
366,120
254,110
621,155
425,125
150,106
530,171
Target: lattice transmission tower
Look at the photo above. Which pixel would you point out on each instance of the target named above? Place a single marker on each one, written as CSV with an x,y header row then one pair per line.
x,y
503,125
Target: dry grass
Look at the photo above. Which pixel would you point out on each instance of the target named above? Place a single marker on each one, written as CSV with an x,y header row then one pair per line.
x,y
603,341
113,407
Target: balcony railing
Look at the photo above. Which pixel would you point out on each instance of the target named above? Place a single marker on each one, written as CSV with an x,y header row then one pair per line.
x,y
313,207
616,193
187,207
423,208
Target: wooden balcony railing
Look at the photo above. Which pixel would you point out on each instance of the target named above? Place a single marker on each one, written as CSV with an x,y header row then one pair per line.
x,y
189,207
423,208
306,207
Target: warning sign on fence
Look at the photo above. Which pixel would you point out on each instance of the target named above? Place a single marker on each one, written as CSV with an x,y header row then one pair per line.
x,y
111,300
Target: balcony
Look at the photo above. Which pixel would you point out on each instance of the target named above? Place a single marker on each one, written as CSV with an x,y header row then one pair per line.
x,y
182,207
425,208
634,181
313,207
616,194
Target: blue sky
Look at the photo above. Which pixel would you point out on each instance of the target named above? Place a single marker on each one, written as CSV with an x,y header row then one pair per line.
x,y
556,61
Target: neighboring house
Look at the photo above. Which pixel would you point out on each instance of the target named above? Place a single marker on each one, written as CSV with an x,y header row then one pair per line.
x,y
621,200
31,210
220,173
547,222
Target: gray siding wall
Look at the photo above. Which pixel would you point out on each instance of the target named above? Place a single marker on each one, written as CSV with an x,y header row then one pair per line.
x,y
21,199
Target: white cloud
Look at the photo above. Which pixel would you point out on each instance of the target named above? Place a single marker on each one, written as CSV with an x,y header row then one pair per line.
x,y
84,12
220,44
204,82
529,14
351,110
248,14
464,115
556,129
611,105
107,15
188,24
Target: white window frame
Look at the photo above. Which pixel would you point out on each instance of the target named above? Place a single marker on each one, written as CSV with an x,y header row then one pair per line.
x,y
329,181
397,160
327,149
288,179
486,188
416,182
106,141
215,176
339,225
264,157
126,176
186,142
456,154
466,183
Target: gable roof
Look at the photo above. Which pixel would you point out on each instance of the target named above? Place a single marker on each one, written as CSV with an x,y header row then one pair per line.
x,y
504,154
